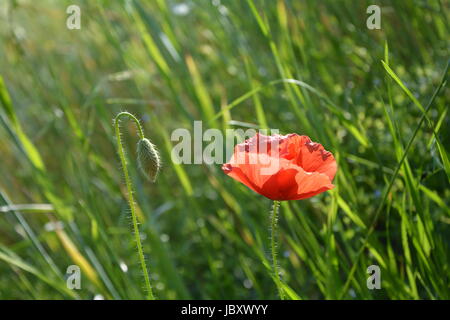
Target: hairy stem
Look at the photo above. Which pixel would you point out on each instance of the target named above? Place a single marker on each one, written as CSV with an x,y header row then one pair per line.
x,y
273,245
131,198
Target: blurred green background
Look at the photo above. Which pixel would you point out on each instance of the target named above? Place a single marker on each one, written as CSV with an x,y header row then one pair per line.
x,y
62,196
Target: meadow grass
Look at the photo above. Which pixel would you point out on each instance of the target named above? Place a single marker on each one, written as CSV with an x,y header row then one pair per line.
x,y
377,99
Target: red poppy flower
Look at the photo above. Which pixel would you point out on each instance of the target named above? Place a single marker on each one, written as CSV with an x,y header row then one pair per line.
x,y
290,167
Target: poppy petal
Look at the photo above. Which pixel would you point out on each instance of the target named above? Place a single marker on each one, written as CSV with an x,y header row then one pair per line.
x,y
237,174
281,186
311,184
290,167
309,155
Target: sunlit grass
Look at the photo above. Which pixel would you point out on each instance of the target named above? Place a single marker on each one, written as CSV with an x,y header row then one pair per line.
x,y
310,67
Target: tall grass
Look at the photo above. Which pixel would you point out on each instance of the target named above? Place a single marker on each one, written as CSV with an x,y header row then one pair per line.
x,y
310,67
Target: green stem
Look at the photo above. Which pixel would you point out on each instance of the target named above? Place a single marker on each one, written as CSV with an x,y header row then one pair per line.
x,y
273,243
131,198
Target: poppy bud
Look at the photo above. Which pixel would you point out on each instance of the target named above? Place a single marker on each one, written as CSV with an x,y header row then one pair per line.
x,y
148,159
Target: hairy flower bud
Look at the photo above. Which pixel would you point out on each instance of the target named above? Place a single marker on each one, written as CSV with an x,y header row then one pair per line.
x,y
148,159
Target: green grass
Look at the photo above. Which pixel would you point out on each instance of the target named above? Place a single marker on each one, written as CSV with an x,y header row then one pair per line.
x,y
377,99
